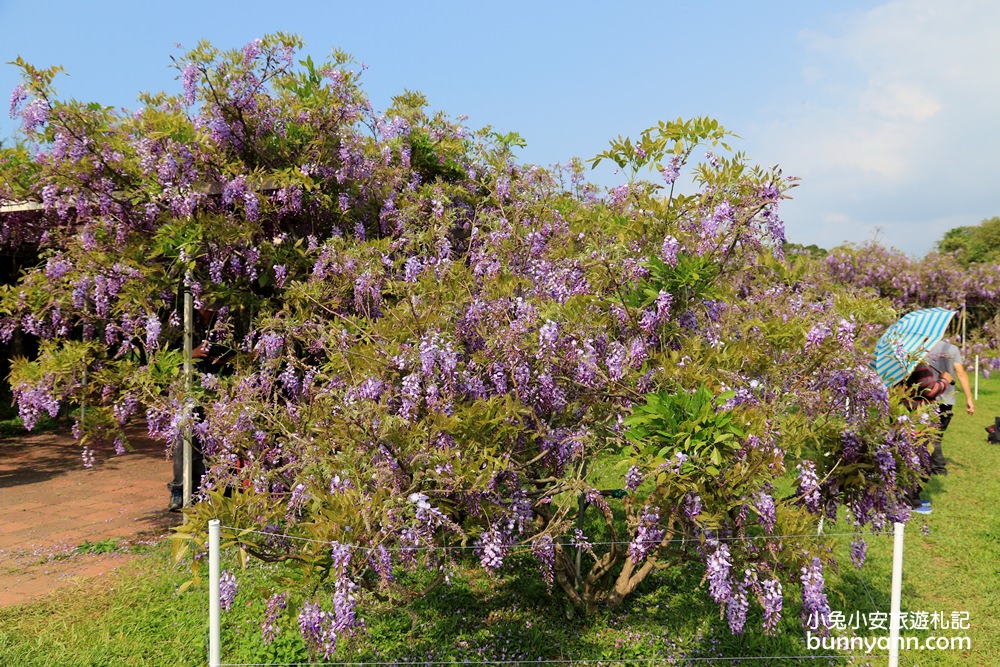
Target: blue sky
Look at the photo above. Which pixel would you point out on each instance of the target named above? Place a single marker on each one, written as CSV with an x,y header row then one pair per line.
x,y
886,111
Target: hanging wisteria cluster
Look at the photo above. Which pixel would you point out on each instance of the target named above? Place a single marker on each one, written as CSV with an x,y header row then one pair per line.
x,y
436,347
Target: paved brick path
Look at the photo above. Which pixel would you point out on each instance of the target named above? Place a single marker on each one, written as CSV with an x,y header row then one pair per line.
x,y
50,505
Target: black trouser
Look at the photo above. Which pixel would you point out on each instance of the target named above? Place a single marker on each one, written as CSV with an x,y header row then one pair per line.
x,y
938,464
176,485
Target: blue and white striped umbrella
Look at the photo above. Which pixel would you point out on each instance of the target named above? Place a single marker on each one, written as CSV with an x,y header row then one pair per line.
x,y
905,343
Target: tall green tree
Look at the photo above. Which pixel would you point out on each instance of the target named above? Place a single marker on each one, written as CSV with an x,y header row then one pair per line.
x,y
974,245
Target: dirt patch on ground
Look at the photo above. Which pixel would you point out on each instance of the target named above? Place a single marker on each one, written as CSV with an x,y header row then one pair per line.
x,y
61,521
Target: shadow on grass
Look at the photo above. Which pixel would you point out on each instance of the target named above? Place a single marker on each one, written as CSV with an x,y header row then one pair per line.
x,y
511,618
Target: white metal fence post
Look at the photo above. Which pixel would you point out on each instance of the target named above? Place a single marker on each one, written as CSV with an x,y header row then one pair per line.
x,y
187,447
975,393
897,588
214,648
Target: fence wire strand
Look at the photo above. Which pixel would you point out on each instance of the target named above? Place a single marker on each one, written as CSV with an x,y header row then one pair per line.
x,y
581,544
564,661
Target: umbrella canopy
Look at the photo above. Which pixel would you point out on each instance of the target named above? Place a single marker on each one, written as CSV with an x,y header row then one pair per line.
x,y
905,343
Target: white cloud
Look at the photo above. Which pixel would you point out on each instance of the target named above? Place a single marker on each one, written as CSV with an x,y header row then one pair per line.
x,y
899,101
896,105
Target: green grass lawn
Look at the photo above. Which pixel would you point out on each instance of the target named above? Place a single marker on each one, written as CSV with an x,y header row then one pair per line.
x,y
955,566
137,617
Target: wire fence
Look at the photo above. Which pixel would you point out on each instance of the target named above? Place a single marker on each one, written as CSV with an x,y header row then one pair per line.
x,y
468,547
597,662
873,593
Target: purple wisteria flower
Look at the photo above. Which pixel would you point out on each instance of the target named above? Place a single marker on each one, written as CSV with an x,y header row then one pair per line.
x,y
189,82
153,327
56,268
765,510
270,345
815,607
776,229
210,382
346,620
648,536
316,628
412,269
270,628
381,562
722,214
586,368
674,465
853,446
280,275
563,446
816,336
692,507
859,551
660,313
633,478
251,50
808,486
543,548
771,600
616,360
672,170
718,566
17,98
846,333
227,589
411,394
736,609
493,547
668,253
300,494
340,485
581,541
289,379
320,629
503,188
215,268
34,114
548,335
886,464
33,400
619,194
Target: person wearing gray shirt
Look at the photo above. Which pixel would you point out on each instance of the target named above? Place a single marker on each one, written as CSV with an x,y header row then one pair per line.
x,y
944,357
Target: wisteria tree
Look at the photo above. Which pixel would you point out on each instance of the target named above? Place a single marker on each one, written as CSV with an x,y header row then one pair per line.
x,y
438,347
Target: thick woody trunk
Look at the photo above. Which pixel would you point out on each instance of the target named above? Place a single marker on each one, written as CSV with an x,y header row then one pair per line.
x,y
589,593
628,579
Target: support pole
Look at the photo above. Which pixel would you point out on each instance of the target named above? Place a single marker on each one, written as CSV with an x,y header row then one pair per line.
x,y
214,642
975,390
963,329
897,589
83,398
188,350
